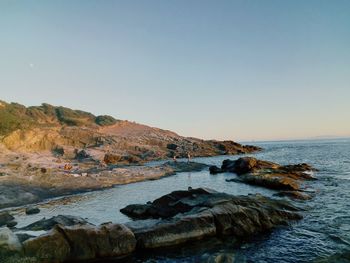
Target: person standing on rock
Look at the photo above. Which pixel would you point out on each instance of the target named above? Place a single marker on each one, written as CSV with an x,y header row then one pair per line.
x,y
174,158
188,157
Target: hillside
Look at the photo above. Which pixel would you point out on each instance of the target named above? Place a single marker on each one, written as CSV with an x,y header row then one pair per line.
x,y
66,132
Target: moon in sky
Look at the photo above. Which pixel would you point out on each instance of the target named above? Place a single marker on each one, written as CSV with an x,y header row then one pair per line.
x,y
31,65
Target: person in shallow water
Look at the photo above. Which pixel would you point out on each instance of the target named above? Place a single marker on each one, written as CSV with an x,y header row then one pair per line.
x,y
188,157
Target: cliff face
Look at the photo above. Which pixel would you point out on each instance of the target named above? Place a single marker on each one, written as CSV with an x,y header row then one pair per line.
x,y
63,130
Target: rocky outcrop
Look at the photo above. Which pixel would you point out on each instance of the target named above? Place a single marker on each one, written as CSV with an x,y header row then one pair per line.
x,y
81,243
199,213
267,174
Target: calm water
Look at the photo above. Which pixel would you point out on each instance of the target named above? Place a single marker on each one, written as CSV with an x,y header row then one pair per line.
x,y
324,231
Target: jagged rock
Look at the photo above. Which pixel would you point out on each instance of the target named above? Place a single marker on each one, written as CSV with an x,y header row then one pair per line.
x,y
268,174
245,165
81,243
47,224
5,218
32,210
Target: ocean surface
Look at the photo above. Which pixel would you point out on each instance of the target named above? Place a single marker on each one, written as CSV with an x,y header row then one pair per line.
x,y
322,236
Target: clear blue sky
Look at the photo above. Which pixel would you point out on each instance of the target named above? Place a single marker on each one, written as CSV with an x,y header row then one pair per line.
x,y
238,70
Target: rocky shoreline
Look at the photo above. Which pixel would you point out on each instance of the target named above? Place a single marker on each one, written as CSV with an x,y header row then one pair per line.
x,y
23,190
287,179
171,220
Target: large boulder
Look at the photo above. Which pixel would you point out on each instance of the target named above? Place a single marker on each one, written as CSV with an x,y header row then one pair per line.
x,y
78,242
245,165
51,247
5,218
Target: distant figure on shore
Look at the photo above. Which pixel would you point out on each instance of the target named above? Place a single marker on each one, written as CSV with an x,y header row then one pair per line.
x,y
188,157
174,158
68,167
